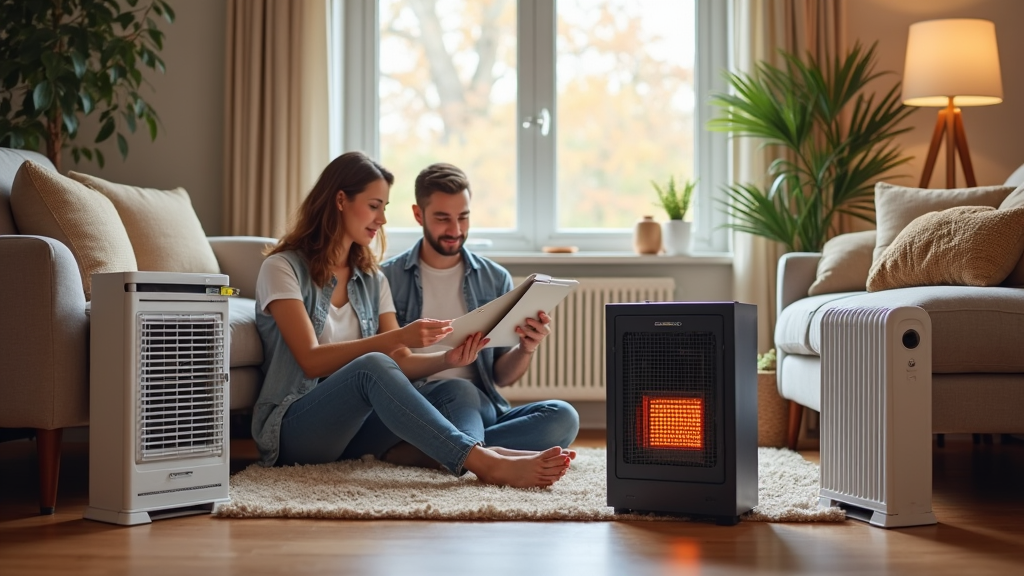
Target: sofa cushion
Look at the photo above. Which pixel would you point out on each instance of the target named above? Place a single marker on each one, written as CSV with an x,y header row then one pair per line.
x,y
973,329
845,263
44,203
163,227
964,246
897,206
10,160
246,346
1015,200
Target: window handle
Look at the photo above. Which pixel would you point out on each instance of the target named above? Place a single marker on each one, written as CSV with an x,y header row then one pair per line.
x,y
542,121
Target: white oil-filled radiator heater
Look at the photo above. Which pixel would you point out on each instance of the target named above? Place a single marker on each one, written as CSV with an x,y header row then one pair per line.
x,y
876,414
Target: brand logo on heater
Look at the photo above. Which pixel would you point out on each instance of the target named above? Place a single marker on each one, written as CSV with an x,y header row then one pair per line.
x,y
668,323
174,475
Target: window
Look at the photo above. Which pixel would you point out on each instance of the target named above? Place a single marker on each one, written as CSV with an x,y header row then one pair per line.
x,y
561,113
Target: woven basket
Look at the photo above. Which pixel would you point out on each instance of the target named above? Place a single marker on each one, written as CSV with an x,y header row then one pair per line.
x,y
772,412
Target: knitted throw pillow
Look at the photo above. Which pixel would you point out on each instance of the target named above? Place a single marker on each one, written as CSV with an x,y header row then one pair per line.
x,y
965,246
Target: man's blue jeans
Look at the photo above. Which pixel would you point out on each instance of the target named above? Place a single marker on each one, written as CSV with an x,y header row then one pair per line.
x,y
320,426
535,426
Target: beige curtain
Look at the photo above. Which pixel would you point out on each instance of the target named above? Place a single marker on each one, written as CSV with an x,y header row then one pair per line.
x,y
275,111
761,28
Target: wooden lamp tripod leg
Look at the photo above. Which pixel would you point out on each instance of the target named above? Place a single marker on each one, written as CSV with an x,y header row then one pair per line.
x,y
949,124
933,149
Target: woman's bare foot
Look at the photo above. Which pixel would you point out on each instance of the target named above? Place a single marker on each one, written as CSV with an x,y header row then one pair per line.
x,y
539,469
512,452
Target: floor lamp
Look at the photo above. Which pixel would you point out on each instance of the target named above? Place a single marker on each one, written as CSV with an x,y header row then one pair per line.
x,y
951,63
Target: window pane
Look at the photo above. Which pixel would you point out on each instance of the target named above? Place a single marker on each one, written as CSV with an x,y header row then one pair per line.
x,y
448,94
625,81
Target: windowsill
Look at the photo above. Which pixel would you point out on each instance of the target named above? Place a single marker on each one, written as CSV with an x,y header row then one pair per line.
x,y
617,258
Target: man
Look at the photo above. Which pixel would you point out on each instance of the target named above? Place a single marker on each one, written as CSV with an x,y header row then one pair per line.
x,y
439,278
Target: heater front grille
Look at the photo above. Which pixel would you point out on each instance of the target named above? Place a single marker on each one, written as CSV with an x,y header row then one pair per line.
x,y
669,398
181,381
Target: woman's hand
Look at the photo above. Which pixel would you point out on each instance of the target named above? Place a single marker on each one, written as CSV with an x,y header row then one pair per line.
x,y
465,354
425,332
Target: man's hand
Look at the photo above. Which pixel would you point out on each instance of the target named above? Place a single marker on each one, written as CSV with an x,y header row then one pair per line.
x,y
533,332
466,353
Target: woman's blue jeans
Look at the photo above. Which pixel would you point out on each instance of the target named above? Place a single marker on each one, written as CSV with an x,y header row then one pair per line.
x,y
320,426
535,426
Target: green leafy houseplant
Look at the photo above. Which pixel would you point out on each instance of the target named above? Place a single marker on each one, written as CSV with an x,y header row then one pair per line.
x,y
834,142
61,60
675,201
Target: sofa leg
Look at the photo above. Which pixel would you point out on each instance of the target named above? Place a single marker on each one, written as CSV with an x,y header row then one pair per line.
x,y
48,451
796,414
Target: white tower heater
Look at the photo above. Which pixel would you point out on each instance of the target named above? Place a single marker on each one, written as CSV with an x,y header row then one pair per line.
x,y
158,416
876,414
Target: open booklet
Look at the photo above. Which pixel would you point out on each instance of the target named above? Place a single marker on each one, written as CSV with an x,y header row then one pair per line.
x,y
498,318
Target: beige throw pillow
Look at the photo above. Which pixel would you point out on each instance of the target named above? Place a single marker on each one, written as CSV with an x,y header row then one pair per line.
x,y
845,263
897,206
44,203
1015,200
164,229
964,246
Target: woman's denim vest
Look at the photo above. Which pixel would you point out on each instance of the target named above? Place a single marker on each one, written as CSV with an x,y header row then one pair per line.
x,y
283,379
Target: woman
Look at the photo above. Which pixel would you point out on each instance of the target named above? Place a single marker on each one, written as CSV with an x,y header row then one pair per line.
x,y
326,367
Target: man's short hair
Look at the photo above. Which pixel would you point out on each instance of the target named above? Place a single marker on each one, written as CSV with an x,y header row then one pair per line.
x,y
440,177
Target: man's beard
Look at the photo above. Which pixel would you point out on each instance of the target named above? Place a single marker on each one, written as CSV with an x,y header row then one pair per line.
x,y
435,243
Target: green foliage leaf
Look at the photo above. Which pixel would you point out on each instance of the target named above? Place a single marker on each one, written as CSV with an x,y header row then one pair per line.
x,y
106,130
42,95
122,145
78,61
100,160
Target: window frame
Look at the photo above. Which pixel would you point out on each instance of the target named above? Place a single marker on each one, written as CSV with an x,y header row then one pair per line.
x,y
355,112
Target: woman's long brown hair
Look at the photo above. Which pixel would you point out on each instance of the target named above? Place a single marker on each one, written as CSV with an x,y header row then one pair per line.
x,y
318,228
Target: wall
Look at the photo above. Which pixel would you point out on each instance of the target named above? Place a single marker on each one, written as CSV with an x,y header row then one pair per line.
x,y
993,132
189,98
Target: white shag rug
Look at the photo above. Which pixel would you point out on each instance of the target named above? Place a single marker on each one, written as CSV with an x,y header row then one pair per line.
x,y
370,489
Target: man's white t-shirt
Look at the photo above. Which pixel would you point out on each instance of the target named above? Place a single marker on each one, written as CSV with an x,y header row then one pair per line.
x,y
277,281
442,300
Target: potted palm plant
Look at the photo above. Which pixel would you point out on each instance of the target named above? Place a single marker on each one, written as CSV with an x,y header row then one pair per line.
x,y
676,203
834,140
62,60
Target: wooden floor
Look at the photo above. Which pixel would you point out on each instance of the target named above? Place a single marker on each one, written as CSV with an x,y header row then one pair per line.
x,y
979,501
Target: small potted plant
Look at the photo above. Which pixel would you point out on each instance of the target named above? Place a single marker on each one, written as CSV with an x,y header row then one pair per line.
x,y
675,200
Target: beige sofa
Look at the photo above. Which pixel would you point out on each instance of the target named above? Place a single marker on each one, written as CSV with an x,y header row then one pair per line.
x,y
977,351
44,330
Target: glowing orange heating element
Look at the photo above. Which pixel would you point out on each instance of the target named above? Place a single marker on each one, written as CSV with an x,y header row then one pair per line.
x,y
673,422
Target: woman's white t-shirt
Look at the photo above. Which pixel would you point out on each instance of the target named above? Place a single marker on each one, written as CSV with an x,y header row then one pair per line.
x,y
277,281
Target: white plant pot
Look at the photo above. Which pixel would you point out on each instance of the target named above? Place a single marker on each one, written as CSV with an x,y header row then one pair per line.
x,y
676,237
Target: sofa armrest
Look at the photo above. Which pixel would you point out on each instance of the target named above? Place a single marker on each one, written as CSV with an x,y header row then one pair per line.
x,y
44,335
797,271
240,257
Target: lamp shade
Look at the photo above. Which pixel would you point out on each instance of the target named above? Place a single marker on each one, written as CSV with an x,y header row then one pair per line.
x,y
955,58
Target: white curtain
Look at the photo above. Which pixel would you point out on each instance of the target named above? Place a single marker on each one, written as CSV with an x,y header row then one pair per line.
x,y
760,29
276,121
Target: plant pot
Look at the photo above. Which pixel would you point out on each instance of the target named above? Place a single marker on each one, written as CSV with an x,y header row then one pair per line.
x,y
772,412
647,236
676,236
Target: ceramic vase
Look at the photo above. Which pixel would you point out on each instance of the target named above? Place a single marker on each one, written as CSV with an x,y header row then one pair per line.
x,y
647,236
676,237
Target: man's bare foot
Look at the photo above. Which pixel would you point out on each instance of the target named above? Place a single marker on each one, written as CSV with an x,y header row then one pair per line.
x,y
539,469
513,452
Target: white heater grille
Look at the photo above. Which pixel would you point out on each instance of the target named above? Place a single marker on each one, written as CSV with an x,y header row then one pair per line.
x,y
854,379
181,386
570,364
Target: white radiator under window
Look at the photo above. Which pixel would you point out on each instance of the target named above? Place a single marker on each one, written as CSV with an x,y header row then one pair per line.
x,y
570,363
